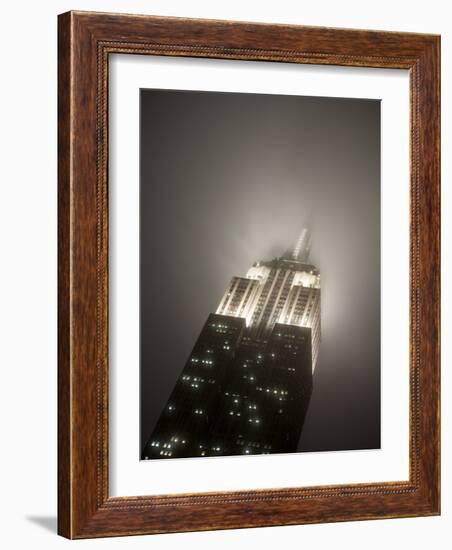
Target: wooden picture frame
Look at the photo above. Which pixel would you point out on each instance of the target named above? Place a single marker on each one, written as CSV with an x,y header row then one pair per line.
x,y
85,42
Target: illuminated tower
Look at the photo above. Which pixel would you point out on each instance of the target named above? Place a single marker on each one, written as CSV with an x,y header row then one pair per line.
x,y
246,386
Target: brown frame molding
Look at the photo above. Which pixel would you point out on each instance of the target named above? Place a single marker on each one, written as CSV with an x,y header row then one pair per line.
x,y
85,41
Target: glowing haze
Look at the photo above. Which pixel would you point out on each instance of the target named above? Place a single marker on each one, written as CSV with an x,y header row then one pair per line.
x,y
229,179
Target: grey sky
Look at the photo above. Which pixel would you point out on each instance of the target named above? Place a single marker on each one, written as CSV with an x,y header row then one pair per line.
x,y
228,179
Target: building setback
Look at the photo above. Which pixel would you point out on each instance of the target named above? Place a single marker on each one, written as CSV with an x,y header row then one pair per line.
x,y
246,385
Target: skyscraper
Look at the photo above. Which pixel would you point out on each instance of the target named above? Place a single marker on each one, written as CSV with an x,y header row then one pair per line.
x,y
246,385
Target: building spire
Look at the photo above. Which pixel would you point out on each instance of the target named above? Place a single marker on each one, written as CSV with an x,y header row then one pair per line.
x,y
302,247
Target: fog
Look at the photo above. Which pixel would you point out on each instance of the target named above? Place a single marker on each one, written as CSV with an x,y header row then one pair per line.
x,y
228,179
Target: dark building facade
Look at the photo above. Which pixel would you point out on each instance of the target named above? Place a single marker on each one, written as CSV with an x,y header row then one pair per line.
x,y
246,385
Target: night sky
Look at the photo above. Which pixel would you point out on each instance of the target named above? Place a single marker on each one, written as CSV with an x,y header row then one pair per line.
x,y
228,179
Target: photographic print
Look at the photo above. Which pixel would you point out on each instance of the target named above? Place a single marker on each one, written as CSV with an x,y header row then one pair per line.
x,y
248,275
259,274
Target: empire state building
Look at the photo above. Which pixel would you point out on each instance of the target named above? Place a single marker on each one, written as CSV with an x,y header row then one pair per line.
x,y
246,385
